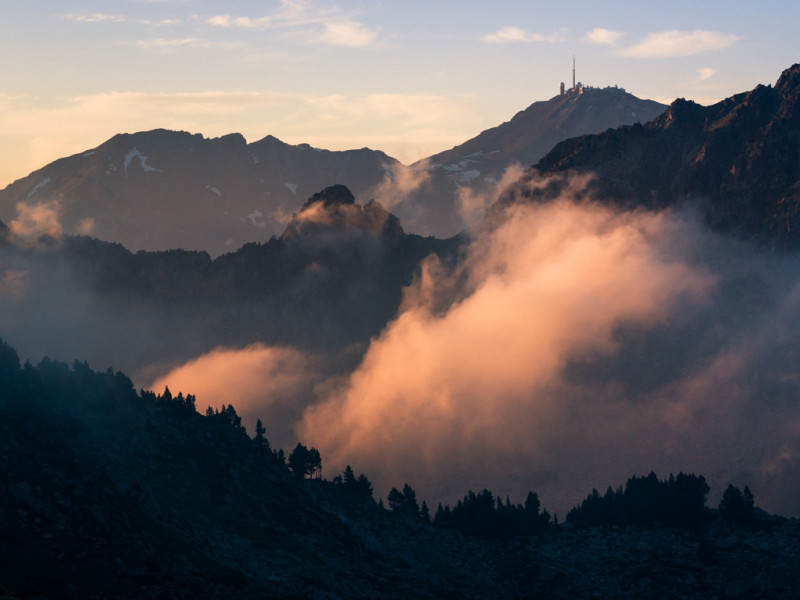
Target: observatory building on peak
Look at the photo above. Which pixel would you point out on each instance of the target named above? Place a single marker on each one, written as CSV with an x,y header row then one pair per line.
x,y
576,86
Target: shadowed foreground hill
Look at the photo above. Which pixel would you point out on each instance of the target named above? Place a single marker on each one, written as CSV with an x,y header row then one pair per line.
x,y
109,493
740,158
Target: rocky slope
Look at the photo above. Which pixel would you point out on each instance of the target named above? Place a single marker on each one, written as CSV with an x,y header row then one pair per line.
x,y
160,189
475,167
739,158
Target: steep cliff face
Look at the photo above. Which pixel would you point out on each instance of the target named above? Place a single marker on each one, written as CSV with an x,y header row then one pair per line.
x,y
740,157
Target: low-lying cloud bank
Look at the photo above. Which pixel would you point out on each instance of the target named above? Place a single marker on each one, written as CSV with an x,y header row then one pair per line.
x,y
577,346
573,346
260,381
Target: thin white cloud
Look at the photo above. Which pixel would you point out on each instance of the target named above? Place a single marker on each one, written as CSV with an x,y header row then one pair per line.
x,y
243,22
676,43
290,14
108,18
95,18
705,73
162,23
168,43
348,33
314,24
187,42
598,35
516,35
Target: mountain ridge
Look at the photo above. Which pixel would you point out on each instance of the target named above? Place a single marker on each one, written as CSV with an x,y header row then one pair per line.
x,y
738,158
163,189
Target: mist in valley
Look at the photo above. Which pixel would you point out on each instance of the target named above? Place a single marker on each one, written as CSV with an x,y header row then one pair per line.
x,y
570,346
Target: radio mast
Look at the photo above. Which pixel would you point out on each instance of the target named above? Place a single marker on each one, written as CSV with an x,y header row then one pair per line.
x,y
573,71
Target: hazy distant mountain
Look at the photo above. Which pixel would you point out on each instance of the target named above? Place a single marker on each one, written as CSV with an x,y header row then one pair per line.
x,y
740,158
477,165
162,189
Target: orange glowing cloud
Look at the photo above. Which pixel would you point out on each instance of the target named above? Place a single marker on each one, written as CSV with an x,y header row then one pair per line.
x,y
260,381
472,205
399,182
34,221
480,379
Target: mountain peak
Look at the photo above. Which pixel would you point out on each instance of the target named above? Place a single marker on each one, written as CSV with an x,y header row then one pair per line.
x,y
331,196
334,209
789,82
680,111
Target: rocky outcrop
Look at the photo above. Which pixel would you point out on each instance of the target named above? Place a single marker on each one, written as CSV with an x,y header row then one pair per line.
x,y
334,210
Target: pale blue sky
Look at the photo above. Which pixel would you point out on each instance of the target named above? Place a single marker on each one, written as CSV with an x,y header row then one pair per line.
x,y
410,78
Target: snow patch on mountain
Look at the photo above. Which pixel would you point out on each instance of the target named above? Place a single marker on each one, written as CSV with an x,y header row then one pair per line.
x,y
256,218
292,187
214,190
134,153
467,176
39,186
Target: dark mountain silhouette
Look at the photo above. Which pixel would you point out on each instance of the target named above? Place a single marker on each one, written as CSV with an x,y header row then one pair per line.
x,y
332,280
740,158
160,189
110,493
479,163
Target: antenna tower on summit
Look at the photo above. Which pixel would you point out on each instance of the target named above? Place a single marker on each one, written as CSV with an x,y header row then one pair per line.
x,y
576,85
573,71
